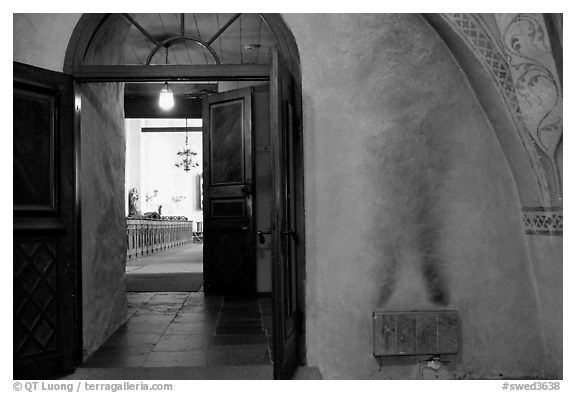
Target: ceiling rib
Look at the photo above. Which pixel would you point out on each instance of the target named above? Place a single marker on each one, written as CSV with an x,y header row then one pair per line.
x,y
139,27
165,43
218,27
183,34
219,32
200,36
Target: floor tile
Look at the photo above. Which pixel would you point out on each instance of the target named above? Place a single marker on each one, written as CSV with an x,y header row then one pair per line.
x,y
196,318
116,360
152,318
238,330
125,349
238,355
151,311
246,314
139,297
194,306
240,322
182,342
191,328
177,359
146,326
243,339
130,338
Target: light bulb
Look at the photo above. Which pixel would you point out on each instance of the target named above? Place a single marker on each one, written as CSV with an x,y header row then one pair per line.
x,y
166,100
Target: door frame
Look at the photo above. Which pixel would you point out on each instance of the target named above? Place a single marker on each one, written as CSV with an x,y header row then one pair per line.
x,y
210,74
289,54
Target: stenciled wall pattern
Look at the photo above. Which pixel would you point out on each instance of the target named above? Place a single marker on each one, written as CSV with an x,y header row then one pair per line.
x,y
537,84
521,63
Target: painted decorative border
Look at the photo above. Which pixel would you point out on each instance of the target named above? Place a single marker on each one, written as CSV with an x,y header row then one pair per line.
x,y
543,220
472,30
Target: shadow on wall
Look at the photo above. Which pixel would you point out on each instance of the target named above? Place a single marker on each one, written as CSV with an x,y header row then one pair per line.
x,y
416,211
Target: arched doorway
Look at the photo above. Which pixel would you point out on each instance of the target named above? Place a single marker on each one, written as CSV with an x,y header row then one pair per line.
x,y
93,56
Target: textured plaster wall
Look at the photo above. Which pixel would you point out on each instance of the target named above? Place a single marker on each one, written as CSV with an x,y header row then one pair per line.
x,y
409,202
41,39
547,257
103,223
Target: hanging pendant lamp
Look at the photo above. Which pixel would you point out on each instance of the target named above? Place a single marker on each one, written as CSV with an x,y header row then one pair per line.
x,y
166,98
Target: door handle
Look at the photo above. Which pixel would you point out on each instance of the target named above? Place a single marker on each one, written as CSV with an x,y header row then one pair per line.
x,y
261,234
292,234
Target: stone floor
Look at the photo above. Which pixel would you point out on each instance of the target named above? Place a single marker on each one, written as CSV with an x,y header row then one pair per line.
x,y
189,329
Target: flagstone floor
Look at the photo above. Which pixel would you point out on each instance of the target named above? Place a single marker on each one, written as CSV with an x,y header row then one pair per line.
x,y
189,329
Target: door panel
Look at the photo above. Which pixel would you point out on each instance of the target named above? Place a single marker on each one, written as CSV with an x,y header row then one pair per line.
x,y
226,135
34,187
285,239
229,259
45,277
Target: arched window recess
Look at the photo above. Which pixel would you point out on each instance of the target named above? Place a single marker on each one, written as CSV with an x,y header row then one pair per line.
x,y
125,47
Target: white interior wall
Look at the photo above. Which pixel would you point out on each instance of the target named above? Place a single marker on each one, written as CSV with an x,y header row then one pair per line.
x,y
150,159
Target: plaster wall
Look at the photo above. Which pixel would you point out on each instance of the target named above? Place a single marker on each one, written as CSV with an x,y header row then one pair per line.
x,y
41,39
103,222
409,202
547,257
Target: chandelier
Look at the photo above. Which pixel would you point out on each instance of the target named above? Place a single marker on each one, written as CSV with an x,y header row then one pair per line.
x,y
185,157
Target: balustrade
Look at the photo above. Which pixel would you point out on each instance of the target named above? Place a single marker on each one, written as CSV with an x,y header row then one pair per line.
x,y
150,236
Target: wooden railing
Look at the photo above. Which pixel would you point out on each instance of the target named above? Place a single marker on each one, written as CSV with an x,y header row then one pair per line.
x,y
150,236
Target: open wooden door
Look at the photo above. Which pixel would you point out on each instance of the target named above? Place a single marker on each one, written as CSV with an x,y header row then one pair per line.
x,y
46,321
229,259
286,283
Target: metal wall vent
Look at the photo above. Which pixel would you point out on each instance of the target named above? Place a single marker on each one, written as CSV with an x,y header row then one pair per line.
x,y
415,333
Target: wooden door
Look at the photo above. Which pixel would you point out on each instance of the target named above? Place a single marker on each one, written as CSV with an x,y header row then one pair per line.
x,y
46,314
229,259
285,218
